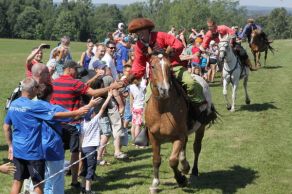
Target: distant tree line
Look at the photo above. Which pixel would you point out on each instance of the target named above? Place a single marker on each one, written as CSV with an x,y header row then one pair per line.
x,y
81,19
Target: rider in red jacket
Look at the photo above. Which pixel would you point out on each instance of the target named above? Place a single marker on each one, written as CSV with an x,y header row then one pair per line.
x,y
213,34
143,27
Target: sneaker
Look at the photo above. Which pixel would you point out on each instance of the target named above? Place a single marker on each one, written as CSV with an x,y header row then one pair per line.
x,y
121,156
76,185
82,190
102,162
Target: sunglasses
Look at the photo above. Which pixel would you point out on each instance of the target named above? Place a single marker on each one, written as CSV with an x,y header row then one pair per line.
x,y
112,48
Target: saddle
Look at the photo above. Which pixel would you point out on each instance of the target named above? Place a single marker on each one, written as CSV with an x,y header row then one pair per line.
x,y
194,112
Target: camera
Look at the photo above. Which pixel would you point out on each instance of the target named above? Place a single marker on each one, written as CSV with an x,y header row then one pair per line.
x,y
46,46
81,72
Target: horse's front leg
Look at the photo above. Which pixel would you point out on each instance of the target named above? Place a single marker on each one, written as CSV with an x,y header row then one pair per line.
x,y
197,149
183,159
258,56
245,80
254,58
156,159
177,146
225,84
234,89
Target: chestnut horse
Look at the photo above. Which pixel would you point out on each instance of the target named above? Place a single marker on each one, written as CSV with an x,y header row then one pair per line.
x,y
166,115
258,44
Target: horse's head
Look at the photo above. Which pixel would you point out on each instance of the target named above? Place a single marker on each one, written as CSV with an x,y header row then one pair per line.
x,y
223,47
160,74
256,38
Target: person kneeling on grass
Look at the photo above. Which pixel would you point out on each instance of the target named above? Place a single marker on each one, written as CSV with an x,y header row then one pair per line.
x,y
90,143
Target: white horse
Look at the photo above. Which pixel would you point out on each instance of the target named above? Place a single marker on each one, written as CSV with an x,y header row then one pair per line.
x,y
232,72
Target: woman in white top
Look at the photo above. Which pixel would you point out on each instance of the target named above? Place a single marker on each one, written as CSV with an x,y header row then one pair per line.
x,y
213,54
137,101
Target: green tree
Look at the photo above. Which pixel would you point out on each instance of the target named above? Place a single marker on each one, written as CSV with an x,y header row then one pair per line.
x,y
83,13
65,24
278,24
26,22
105,19
3,23
132,11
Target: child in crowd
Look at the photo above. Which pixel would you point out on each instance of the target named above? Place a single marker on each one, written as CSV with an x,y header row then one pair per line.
x,y
196,53
137,99
90,143
126,91
203,66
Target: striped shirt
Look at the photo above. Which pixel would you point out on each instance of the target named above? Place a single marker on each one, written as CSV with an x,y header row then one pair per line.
x,y
91,132
67,92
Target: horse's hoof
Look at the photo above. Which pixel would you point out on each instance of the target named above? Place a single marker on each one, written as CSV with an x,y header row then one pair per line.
x,y
232,110
182,181
247,101
185,170
195,172
228,106
153,190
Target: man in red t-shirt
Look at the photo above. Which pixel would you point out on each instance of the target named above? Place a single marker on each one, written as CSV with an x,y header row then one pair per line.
x,y
68,92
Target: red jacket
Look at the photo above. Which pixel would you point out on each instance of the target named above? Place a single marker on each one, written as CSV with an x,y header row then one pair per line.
x,y
157,40
222,30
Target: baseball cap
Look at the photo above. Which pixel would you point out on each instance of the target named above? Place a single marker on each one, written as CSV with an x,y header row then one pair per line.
x,y
121,25
98,65
70,64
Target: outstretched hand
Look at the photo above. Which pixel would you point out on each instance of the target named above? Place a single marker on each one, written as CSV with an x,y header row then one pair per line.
x,y
94,101
83,110
8,168
117,85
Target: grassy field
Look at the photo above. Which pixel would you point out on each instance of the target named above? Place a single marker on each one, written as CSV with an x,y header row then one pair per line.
x,y
249,152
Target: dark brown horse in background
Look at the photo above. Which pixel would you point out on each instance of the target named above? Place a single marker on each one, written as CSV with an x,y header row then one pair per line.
x,y
166,115
259,43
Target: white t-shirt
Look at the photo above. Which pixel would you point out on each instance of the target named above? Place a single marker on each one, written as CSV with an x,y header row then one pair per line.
x,y
111,64
91,132
138,93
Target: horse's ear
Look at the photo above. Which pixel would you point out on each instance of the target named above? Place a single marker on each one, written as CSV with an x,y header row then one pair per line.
x,y
224,38
220,37
150,51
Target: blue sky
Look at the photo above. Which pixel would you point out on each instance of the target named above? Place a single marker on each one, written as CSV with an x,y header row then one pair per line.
x,y
264,3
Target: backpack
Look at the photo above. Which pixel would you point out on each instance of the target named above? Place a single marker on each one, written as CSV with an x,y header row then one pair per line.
x,y
16,93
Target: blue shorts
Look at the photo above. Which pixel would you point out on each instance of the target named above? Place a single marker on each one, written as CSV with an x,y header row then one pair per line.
x,y
195,64
127,113
105,126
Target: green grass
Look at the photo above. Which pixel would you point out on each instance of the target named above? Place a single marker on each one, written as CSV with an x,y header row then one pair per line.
x,y
248,152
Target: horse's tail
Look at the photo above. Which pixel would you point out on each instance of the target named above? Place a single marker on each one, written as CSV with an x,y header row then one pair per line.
x,y
271,48
214,115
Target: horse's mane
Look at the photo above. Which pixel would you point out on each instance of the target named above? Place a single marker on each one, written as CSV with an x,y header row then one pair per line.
x,y
256,32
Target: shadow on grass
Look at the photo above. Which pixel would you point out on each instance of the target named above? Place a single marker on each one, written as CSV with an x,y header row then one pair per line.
x,y
272,67
258,107
215,84
138,151
3,148
117,179
228,181
133,172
